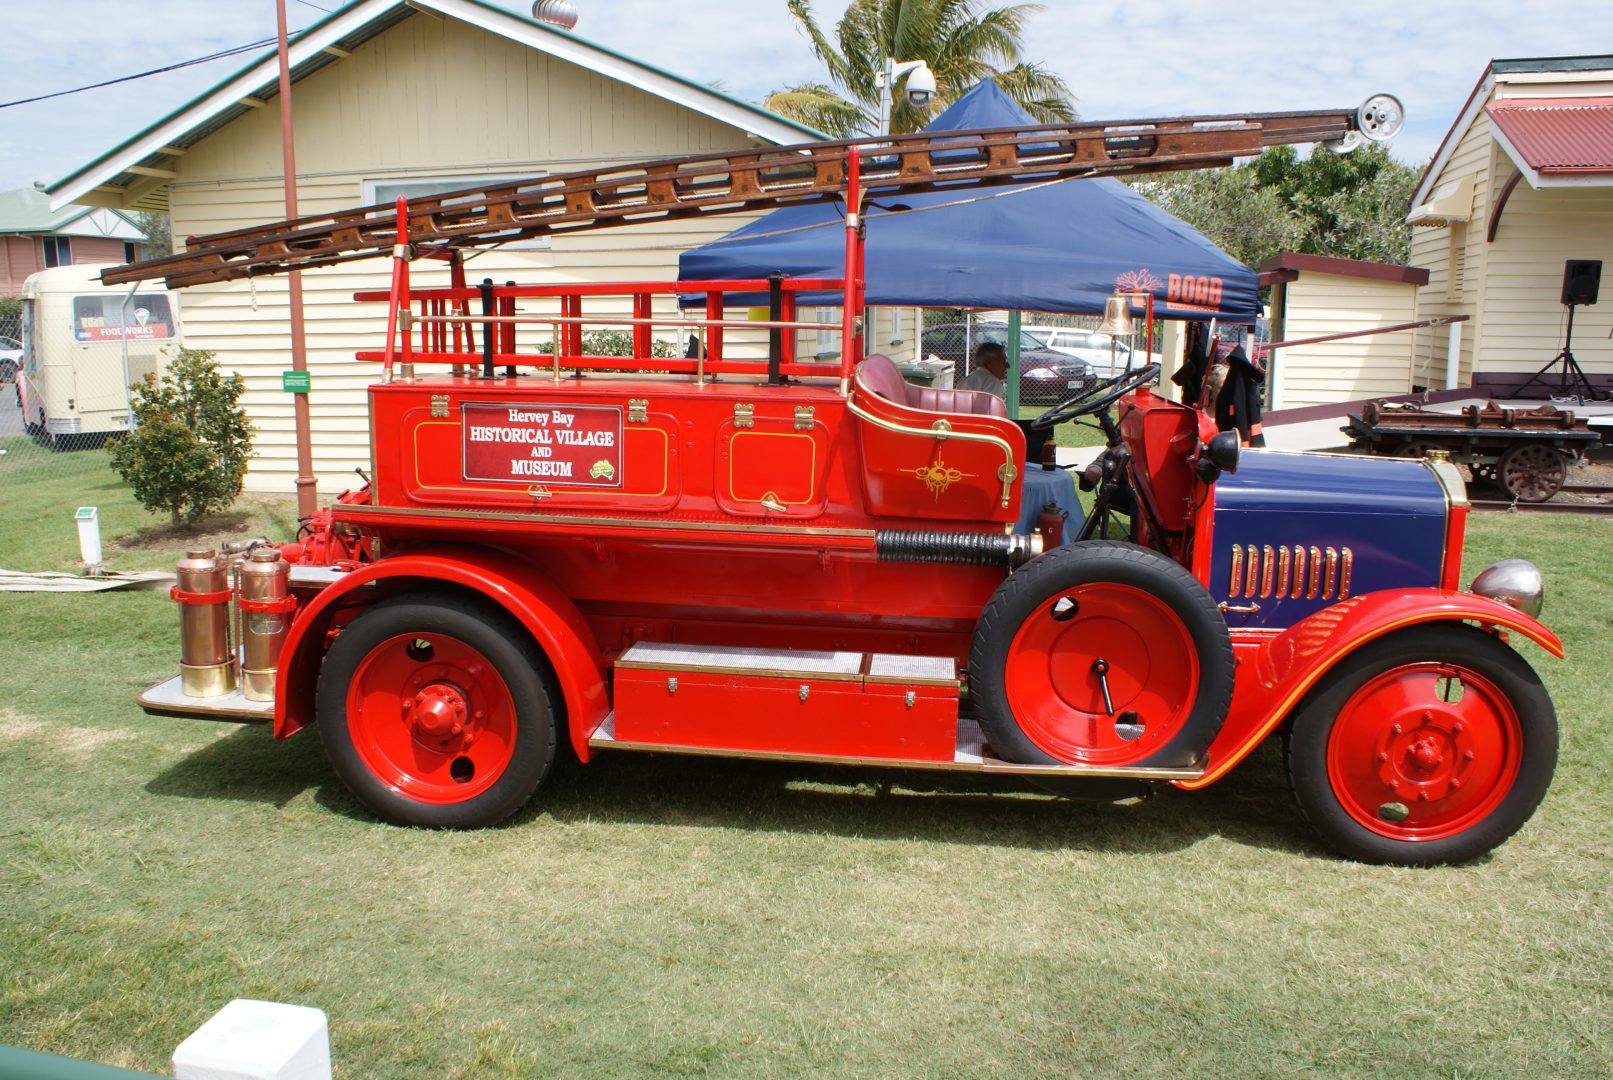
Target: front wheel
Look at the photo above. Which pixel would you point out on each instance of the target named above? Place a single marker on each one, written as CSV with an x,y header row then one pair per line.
x,y
437,713
1101,654
1432,745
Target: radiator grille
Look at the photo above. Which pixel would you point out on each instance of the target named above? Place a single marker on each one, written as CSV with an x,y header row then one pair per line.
x,y
1290,572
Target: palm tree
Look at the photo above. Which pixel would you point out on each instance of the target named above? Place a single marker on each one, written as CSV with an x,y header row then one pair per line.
x,y
961,44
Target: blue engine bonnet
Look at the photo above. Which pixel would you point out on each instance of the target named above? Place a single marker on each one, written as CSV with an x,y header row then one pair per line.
x,y
1383,520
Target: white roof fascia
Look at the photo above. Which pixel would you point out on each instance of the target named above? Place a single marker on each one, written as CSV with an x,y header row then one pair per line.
x,y
1475,105
226,95
1524,78
647,79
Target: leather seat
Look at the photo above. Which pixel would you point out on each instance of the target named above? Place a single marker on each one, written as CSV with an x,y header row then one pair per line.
x,y
881,376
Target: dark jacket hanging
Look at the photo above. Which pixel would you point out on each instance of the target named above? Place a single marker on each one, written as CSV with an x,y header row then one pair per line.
x,y
1238,403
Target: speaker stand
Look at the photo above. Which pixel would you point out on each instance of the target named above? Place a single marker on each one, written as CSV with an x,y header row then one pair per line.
x,y
1572,380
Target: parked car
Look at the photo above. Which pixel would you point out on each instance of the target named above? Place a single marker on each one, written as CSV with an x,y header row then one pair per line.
x,y
10,358
1104,355
1046,377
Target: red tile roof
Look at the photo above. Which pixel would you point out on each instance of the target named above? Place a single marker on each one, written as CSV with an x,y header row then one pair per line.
x,y
1558,135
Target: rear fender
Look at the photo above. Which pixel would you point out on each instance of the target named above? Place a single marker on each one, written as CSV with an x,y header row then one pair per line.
x,y
513,584
1275,672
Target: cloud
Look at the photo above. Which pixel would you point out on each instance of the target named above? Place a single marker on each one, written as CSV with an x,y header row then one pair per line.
x,y
1147,58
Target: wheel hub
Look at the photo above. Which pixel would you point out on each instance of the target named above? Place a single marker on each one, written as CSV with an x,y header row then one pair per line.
x,y
1423,756
438,711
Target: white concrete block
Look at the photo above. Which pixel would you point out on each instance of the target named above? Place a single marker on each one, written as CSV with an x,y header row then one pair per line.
x,y
257,1040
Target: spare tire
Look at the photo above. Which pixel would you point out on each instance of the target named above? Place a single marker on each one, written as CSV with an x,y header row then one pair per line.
x,y
1103,654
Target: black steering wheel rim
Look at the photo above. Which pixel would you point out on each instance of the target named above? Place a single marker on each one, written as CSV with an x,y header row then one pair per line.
x,y
1097,397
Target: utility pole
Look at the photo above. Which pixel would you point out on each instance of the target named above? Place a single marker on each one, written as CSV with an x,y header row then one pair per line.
x,y
307,495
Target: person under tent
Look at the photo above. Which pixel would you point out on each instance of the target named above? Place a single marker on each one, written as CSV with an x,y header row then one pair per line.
x,y
988,369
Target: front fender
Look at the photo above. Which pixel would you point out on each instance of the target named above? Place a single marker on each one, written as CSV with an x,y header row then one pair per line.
x,y
512,583
1275,672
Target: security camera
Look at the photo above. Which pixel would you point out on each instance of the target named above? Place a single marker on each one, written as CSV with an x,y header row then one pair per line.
x,y
920,86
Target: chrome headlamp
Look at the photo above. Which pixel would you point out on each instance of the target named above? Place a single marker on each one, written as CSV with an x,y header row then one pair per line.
x,y
1514,582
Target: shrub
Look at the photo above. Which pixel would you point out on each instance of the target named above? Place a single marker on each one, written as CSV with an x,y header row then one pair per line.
x,y
613,343
189,443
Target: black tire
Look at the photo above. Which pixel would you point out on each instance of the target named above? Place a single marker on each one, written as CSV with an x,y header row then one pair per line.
x,y
1465,647
505,645
1093,562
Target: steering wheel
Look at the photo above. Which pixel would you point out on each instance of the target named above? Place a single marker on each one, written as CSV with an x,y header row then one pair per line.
x,y
1096,398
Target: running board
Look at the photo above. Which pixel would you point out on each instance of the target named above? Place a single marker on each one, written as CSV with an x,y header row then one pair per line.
x,y
972,756
169,699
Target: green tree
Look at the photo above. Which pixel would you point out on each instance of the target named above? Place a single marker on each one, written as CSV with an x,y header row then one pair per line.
x,y
188,451
960,42
1228,206
159,233
1349,206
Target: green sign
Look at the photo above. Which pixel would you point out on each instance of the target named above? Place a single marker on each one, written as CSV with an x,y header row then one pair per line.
x,y
294,382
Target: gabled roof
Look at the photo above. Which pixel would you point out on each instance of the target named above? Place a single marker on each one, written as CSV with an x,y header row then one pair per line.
x,y
28,210
1556,136
1567,68
141,156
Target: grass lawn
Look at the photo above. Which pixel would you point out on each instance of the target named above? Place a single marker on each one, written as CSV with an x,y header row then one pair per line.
x,y
688,917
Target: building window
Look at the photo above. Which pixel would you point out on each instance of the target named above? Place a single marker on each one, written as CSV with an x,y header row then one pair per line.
x,y
131,251
417,187
58,251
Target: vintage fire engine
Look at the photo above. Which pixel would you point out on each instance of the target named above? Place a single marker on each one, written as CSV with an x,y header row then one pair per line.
x,y
774,557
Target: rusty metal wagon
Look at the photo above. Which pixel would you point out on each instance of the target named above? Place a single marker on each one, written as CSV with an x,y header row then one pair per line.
x,y
1526,452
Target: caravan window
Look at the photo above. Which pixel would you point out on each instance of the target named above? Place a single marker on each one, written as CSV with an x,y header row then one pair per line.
x,y
100,317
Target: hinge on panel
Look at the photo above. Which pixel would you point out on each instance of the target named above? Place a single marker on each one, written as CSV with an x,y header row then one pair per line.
x,y
803,417
744,415
439,405
638,410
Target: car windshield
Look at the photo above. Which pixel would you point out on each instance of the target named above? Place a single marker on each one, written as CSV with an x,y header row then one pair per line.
x,y
999,335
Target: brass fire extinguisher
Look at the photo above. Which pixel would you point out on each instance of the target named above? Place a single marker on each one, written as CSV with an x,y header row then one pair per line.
x,y
206,667
265,603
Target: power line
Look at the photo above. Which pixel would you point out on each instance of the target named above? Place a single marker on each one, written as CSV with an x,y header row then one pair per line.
x,y
146,74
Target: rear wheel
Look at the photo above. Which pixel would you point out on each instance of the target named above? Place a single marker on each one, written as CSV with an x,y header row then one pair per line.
x,y
1532,472
1432,745
1102,654
437,712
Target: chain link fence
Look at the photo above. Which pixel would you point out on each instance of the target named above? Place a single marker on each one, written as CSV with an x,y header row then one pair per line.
x,y
1059,354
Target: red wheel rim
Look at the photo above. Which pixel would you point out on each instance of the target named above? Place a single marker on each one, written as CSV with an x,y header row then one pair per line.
x,y
1054,688
1409,764
431,718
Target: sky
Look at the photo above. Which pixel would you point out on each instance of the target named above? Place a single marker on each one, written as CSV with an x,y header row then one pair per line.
x,y
1142,58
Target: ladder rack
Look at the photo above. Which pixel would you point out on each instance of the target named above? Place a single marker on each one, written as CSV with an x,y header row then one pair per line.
x,y
737,181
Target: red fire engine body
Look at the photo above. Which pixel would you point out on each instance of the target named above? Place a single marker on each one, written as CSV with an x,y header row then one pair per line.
x,y
788,559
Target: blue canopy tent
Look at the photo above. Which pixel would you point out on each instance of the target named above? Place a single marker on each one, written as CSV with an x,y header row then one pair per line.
x,y
1051,247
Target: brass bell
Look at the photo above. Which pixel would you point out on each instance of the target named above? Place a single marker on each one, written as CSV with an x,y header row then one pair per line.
x,y
1116,317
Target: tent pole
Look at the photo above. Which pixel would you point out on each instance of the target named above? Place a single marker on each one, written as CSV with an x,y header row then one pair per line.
x,y
1014,320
